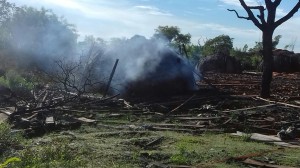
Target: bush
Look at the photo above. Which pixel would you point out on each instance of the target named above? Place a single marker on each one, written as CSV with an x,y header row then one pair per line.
x,y
8,139
17,82
19,85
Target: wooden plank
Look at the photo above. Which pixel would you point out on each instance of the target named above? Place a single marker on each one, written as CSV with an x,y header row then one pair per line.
x,y
261,164
3,118
182,104
270,139
280,103
4,111
86,120
200,130
198,118
178,125
50,120
250,108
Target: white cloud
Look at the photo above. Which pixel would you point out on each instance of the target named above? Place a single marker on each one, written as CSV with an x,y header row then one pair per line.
x,y
280,12
107,19
152,10
237,2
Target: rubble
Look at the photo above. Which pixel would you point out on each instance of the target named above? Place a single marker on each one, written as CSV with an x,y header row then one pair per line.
x,y
286,61
220,63
234,108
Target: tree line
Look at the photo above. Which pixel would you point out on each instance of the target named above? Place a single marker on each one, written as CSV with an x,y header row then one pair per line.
x,y
31,38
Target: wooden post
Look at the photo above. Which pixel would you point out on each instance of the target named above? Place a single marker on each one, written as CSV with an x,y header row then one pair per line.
x,y
110,78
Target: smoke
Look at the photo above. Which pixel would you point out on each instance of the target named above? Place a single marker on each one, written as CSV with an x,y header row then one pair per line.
x,y
144,64
38,38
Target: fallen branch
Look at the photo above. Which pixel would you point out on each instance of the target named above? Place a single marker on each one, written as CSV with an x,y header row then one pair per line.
x,y
154,142
268,139
261,164
181,105
250,108
280,103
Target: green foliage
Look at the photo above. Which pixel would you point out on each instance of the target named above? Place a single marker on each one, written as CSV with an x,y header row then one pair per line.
x,y
252,58
249,60
193,53
57,154
6,11
16,82
259,45
8,139
173,35
9,160
219,45
4,81
184,156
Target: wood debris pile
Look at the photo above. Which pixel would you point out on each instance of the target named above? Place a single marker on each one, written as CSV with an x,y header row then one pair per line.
x,y
229,107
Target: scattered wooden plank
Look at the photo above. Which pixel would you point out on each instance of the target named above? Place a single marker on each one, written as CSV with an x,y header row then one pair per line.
x,y
277,102
154,142
86,120
3,118
179,125
181,104
250,108
4,111
198,118
50,120
200,130
270,139
231,84
261,164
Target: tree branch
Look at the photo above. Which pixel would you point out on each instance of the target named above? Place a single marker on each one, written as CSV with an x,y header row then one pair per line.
x,y
237,14
261,11
289,15
277,2
251,15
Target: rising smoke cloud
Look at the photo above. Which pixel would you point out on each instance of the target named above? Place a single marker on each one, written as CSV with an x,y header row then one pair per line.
x,y
146,62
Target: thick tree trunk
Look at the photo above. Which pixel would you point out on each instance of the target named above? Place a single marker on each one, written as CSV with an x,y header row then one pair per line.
x,y
267,63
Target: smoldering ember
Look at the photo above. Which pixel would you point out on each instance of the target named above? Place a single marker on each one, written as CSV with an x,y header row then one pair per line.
x,y
157,101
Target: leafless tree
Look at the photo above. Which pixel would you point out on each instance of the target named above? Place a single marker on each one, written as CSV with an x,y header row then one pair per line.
x,y
267,24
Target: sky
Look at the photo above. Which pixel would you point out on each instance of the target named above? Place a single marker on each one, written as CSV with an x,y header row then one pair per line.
x,y
203,19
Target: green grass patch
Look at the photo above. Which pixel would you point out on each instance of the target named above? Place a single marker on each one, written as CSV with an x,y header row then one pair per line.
x,y
93,146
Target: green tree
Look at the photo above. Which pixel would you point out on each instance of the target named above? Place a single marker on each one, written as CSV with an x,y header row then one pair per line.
x,y
259,45
194,53
249,60
90,48
267,24
174,36
6,11
219,45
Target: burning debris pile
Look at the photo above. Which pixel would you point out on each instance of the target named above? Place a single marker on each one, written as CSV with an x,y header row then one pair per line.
x,y
53,110
146,68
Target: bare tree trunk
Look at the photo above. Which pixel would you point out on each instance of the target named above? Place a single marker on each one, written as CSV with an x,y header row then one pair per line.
x,y
267,27
267,63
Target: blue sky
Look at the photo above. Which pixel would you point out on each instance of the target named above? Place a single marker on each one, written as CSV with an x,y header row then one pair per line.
x,y
203,19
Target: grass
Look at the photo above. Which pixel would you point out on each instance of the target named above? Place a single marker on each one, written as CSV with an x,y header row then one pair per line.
x,y
96,146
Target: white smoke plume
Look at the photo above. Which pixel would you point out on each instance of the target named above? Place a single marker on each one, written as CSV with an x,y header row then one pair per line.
x,y
142,61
